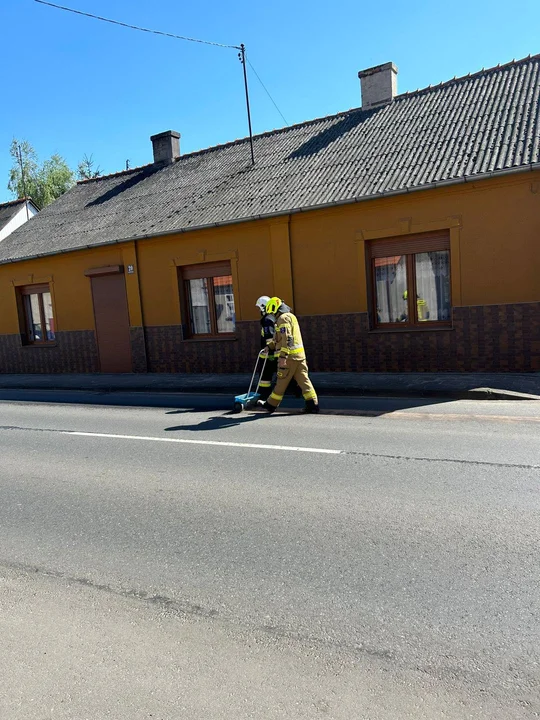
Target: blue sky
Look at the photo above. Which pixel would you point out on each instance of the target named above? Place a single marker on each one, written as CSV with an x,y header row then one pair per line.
x,y
73,85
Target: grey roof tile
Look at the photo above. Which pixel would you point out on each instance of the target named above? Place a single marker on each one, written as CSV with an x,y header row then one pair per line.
x,y
466,127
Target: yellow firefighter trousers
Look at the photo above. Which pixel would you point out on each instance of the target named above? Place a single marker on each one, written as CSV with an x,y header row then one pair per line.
x,y
297,370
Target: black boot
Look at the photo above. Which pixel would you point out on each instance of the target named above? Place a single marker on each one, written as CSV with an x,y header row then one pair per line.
x,y
265,406
312,407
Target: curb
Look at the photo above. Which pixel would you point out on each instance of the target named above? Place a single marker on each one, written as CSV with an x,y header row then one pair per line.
x,y
497,394
472,394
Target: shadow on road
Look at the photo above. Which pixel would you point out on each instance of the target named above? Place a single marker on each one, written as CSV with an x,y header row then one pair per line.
x,y
347,407
218,422
191,409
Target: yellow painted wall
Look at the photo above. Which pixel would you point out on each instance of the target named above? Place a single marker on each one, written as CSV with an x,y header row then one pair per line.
x,y
246,245
495,242
71,289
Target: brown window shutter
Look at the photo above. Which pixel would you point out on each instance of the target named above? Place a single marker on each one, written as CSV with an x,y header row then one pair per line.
x,y
206,270
410,244
34,289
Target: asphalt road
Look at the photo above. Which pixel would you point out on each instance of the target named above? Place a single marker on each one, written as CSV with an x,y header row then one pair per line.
x,y
185,563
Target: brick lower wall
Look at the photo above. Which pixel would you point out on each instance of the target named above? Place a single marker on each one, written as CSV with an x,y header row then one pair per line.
x,y
74,352
496,338
169,352
139,360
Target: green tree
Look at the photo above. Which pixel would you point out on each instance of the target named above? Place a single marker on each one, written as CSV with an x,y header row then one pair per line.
x,y
87,170
44,182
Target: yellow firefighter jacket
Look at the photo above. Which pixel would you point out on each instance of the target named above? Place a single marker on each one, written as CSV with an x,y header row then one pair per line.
x,y
288,338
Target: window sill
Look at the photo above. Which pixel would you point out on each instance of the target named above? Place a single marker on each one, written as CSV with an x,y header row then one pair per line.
x,y
40,345
411,329
211,338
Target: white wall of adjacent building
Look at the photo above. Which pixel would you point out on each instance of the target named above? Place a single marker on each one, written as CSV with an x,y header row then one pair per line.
x,y
17,220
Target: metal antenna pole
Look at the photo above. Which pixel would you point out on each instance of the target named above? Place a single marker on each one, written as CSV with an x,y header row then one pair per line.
x,y
242,57
19,153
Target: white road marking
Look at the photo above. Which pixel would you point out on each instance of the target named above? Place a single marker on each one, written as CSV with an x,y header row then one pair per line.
x,y
256,446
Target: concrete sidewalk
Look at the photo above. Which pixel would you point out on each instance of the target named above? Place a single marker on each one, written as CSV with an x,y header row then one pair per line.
x,y
496,386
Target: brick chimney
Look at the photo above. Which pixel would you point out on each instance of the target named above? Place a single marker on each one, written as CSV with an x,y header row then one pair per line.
x,y
166,146
378,85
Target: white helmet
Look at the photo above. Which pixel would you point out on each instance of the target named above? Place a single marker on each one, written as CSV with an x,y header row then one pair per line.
x,y
261,303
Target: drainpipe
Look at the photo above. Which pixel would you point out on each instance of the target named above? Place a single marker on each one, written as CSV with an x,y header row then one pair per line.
x,y
143,323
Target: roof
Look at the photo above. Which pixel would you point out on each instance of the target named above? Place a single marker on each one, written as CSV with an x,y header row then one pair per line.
x,y
467,127
9,210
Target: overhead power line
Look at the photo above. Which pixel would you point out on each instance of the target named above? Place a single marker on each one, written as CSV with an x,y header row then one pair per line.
x,y
266,91
242,54
136,27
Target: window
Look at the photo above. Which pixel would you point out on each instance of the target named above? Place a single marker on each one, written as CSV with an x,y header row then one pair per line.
x,y
37,314
209,299
411,281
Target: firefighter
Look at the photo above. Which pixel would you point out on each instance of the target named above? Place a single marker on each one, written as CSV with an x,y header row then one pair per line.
x,y
267,337
289,349
267,345
422,308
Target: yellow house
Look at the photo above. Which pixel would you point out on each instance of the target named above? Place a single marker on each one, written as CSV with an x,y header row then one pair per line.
x,y
404,233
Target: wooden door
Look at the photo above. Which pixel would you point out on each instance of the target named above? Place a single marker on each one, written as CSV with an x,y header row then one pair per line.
x,y
112,323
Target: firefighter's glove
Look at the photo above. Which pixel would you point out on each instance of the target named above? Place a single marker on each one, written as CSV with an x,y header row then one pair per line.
x,y
264,353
